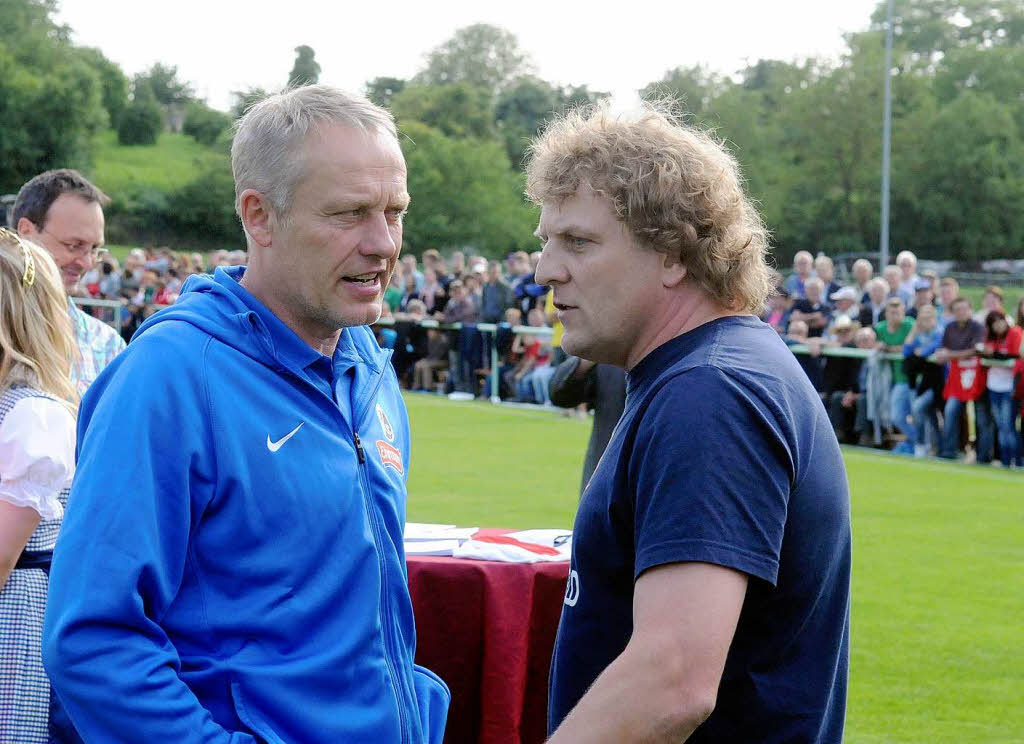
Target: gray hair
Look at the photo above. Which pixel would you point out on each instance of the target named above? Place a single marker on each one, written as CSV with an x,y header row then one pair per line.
x,y
879,282
906,255
862,262
266,153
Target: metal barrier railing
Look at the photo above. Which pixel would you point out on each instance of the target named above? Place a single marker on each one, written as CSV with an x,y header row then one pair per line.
x,y
117,306
491,329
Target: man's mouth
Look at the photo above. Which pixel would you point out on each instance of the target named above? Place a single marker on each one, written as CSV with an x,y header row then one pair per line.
x,y
369,278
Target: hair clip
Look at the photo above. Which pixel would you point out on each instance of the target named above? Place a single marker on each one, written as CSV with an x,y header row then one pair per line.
x,y
29,277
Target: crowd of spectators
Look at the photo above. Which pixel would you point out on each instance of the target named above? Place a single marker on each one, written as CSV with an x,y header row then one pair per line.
x,y
914,404
147,280
469,291
919,364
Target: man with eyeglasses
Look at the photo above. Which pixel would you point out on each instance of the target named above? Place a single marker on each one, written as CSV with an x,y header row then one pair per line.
x,y
63,212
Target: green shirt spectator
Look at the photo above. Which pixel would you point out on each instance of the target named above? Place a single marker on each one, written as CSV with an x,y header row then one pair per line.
x,y
889,337
393,296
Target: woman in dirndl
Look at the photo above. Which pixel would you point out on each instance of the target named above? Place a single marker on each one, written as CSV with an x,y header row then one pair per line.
x,y
37,440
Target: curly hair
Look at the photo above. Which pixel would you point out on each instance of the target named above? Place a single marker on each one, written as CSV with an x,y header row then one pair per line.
x,y
674,186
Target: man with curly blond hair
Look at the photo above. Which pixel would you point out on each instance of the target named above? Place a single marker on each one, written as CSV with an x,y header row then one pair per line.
x,y
708,596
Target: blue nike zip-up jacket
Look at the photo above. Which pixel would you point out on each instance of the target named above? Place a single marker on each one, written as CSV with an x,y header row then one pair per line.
x,y
230,567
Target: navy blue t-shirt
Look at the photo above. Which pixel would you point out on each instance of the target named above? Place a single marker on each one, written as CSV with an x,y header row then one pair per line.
x,y
724,455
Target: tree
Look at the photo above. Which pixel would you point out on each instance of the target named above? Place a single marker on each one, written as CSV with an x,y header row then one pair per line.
x,y
141,122
114,82
957,169
306,70
481,55
205,124
695,88
381,90
521,111
52,102
162,81
246,99
458,110
464,194
572,96
935,27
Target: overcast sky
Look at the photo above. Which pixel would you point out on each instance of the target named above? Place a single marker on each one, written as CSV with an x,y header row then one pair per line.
x,y
221,46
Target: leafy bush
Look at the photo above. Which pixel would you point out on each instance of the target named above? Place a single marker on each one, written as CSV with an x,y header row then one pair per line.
x,y
140,123
205,124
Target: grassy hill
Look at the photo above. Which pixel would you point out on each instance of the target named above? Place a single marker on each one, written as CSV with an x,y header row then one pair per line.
x,y
171,163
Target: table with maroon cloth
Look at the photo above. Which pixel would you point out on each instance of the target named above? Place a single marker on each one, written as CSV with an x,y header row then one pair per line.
x,y
488,630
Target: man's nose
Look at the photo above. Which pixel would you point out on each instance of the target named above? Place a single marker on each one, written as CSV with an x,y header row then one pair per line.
x,y
549,269
378,241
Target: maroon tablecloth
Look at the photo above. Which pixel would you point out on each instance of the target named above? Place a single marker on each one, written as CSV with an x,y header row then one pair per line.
x,y
488,630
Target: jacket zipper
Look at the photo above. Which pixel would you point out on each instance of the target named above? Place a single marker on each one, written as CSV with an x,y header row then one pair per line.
x,y
385,598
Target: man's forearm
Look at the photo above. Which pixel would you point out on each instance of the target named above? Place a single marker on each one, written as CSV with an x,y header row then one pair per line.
x,y
638,698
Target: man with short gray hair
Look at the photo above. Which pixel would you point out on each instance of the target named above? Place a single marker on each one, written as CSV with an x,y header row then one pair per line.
x,y
232,567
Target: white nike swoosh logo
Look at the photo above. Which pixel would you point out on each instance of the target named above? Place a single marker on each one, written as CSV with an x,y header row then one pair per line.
x,y
275,446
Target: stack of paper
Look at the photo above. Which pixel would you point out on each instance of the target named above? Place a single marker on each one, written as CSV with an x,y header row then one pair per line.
x,y
435,539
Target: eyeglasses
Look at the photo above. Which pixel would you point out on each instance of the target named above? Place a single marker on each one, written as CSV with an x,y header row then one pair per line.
x,y
78,248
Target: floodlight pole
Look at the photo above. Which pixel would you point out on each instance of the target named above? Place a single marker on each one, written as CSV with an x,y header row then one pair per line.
x,y
883,239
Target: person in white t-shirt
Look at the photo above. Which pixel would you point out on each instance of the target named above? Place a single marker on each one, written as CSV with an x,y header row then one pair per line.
x,y
37,448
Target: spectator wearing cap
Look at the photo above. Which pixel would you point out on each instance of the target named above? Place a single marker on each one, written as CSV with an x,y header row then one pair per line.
x,y
923,296
892,334
813,309
839,380
825,270
803,263
872,310
906,261
844,302
862,272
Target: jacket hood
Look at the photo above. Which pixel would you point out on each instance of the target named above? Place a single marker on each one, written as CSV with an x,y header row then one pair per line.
x,y
213,304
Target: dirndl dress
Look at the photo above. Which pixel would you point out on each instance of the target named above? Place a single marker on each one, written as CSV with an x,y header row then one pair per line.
x,y
35,470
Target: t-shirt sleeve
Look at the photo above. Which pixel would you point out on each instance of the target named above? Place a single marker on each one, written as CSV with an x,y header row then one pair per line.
x,y
712,475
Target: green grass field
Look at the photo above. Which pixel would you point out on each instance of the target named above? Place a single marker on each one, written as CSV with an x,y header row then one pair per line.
x,y
937,650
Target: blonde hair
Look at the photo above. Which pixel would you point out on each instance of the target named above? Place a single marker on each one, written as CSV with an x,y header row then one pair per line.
x,y
36,341
675,188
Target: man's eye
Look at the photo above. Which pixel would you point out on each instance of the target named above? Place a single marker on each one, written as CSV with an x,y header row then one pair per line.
x,y
574,241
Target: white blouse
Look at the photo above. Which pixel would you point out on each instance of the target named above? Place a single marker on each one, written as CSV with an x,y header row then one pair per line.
x,y
37,455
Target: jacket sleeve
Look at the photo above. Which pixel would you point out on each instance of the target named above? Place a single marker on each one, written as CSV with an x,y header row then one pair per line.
x,y
568,391
143,465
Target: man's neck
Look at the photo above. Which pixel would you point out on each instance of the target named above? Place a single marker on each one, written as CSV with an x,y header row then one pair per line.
x,y
324,341
693,309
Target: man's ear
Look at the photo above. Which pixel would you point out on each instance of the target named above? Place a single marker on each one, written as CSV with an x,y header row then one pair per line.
x,y
257,217
673,271
26,228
